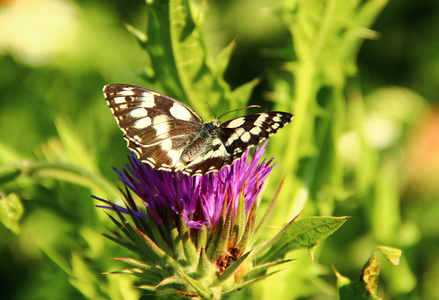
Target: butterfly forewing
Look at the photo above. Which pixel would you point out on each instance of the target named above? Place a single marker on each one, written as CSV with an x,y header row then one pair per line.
x,y
155,126
168,135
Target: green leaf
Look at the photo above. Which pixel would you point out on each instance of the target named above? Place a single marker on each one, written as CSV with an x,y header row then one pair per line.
x,y
249,227
370,276
190,250
217,236
201,239
303,233
239,222
176,239
352,291
148,288
223,58
11,211
170,281
135,263
230,270
222,245
392,254
367,286
262,269
147,277
204,267
161,255
325,40
157,234
149,249
203,292
180,59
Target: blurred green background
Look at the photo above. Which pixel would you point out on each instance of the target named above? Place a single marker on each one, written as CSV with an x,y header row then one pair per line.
x,y
59,142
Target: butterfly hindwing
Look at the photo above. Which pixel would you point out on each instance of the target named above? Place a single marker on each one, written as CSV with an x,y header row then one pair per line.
x,y
248,131
168,135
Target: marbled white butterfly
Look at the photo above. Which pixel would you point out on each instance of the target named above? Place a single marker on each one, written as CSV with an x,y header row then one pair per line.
x,y
168,135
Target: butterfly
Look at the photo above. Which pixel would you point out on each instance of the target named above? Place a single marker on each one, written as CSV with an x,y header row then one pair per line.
x,y
168,135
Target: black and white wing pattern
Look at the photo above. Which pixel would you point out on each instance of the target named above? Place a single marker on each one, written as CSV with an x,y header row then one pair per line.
x,y
169,135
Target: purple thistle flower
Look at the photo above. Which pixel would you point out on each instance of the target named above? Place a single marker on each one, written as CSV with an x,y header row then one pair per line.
x,y
198,199
176,258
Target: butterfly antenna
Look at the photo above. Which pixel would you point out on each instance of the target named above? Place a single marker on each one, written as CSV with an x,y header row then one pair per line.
x,y
251,106
211,109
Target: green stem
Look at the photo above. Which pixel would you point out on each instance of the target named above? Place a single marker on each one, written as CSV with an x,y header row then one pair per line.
x,y
58,171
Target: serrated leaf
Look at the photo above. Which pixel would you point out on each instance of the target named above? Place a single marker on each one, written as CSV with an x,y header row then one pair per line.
x,y
181,61
303,233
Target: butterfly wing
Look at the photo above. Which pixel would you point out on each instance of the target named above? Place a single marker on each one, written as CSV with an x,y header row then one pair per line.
x,y
169,135
241,133
157,128
229,142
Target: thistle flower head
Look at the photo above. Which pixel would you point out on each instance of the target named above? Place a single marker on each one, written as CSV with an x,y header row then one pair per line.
x,y
194,234
198,199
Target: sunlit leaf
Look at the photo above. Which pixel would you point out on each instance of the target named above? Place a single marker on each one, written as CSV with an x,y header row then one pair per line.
x,y
11,211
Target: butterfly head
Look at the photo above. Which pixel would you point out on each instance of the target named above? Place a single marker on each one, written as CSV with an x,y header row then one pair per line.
x,y
212,126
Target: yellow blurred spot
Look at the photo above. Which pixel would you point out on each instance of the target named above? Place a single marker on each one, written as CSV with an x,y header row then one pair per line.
x,y
35,31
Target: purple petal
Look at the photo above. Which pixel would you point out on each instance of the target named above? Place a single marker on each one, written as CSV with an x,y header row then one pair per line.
x,y
198,199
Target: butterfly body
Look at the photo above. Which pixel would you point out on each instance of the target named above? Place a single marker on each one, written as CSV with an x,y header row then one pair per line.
x,y
168,135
